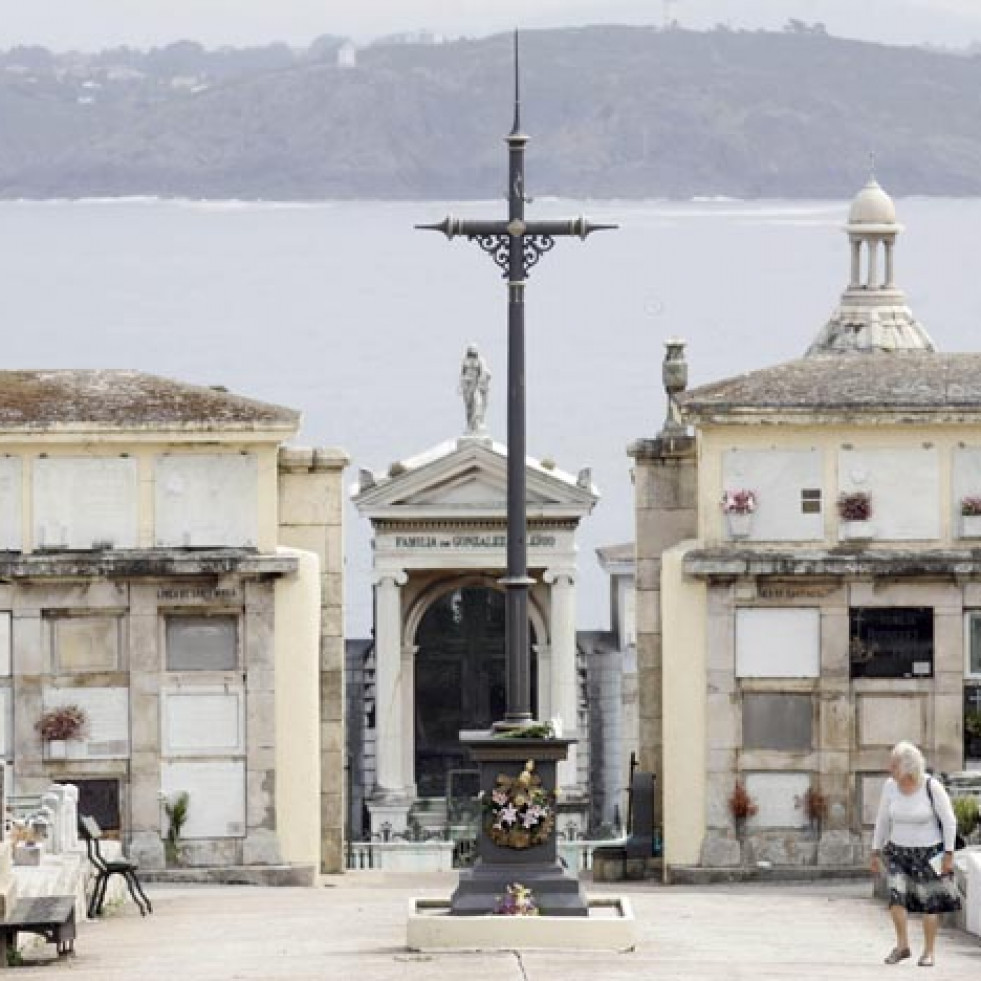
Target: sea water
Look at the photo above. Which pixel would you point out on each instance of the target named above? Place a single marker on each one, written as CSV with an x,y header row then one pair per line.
x,y
345,312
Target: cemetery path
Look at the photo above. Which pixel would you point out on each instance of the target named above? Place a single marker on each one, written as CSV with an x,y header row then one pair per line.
x,y
354,928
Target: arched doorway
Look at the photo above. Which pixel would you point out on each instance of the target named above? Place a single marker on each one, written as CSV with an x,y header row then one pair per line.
x,y
459,679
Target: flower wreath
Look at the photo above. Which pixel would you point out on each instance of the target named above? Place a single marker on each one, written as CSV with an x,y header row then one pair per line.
x,y
520,812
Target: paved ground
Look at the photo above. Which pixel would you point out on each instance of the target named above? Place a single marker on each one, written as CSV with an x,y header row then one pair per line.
x,y
354,928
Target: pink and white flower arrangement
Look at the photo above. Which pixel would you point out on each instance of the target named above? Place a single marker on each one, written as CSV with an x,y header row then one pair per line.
x,y
740,501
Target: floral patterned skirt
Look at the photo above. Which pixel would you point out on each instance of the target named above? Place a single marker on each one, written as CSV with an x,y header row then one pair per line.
x,y
913,883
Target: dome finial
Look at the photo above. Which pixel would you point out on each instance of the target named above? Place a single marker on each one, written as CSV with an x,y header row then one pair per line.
x,y
872,179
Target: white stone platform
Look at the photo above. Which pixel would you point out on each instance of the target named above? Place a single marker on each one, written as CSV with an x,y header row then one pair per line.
x,y
610,925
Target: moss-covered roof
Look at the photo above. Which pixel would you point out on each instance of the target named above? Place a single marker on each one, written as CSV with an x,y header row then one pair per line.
x,y
923,385
125,400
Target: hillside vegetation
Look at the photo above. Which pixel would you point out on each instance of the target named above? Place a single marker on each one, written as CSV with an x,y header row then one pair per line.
x,y
612,112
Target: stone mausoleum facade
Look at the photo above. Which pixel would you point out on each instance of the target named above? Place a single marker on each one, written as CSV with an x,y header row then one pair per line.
x,y
790,646
436,666
171,567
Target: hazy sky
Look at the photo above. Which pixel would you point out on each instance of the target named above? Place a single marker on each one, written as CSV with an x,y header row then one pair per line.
x,y
89,24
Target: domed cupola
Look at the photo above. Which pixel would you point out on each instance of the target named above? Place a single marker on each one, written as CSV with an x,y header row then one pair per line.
x,y
873,315
872,206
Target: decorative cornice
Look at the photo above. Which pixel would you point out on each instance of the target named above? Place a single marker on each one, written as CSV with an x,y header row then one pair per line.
x,y
842,563
382,525
144,564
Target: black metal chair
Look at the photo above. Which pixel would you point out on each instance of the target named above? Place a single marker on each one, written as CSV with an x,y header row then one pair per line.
x,y
106,868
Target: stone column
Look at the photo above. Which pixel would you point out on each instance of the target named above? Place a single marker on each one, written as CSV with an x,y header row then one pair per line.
x,y
873,280
841,834
28,668
856,278
408,718
889,244
664,494
946,753
543,660
147,824
563,688
389,804
261,845
310,518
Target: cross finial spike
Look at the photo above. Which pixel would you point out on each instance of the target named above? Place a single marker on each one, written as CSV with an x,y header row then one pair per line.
x,y
516,127
871,165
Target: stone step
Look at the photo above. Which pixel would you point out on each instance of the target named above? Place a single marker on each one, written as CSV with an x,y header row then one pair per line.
x,y
236,875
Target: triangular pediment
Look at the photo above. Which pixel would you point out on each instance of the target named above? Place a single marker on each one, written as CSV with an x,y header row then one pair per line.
x,y
475,487
468,478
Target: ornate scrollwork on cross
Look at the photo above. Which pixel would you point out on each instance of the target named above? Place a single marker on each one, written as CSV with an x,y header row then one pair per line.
x,y
535,247
496,246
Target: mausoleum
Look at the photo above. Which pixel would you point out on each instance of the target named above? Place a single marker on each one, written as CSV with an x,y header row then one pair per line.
x,y
808,579
437,662
172,570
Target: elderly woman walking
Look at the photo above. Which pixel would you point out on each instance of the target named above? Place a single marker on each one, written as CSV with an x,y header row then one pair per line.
x,y
914,834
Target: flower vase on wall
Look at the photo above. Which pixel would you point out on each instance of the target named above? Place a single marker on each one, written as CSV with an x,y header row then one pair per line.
x,y
971,526
57,749
740,525
856,530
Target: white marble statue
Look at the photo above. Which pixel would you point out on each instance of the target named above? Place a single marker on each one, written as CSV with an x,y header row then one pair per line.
x,y
474,385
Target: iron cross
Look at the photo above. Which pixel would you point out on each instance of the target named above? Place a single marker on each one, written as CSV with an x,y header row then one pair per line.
x,y
516,245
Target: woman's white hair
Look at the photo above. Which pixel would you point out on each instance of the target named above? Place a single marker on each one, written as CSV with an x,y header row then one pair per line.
x,y
909,760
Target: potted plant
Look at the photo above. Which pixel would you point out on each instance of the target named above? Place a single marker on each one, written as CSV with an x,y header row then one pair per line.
x,y
815,805
968,814
741,807
60,724
176,811
854,513
971,516
739,506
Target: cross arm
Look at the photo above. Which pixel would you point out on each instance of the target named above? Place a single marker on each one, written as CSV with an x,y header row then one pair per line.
x,y
579,226
451,227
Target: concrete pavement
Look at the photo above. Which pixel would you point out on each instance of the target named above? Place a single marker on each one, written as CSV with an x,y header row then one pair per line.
x,y
353,927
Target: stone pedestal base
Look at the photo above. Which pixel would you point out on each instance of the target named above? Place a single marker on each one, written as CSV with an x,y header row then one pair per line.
x,y
481,889
389,817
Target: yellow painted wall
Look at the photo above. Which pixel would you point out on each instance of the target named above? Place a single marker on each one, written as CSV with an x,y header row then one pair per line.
x,y
145,452
298,710
685,603
714,441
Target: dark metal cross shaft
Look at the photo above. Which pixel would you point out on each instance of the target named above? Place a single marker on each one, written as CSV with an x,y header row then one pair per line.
x,y
516,245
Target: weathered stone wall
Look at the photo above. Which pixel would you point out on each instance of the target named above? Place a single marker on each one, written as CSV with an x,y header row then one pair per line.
x,y
855,721
310,509
665,495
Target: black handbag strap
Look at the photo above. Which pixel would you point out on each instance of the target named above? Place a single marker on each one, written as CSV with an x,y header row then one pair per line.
x,y
958,840
934,807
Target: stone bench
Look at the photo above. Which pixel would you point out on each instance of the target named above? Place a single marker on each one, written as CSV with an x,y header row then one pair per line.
x,y
52,917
